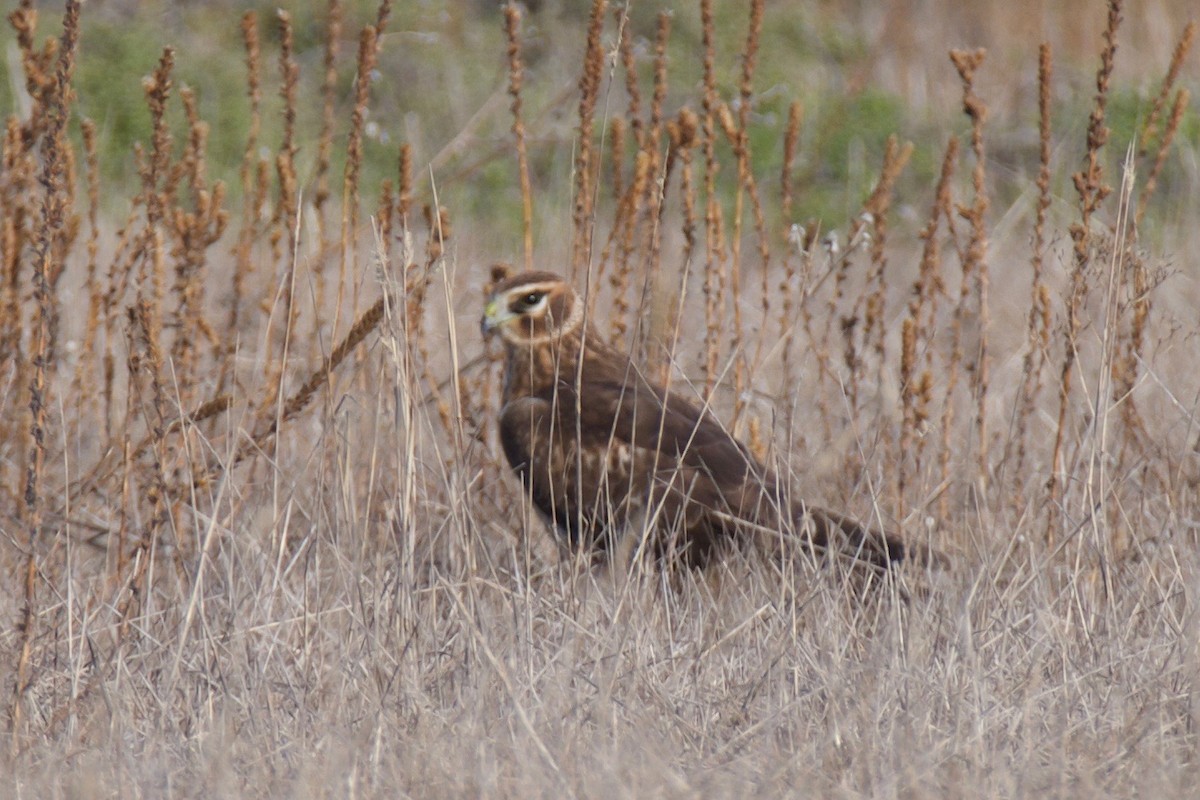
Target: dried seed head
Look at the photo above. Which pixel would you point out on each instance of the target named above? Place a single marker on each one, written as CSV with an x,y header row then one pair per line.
x,y
689,126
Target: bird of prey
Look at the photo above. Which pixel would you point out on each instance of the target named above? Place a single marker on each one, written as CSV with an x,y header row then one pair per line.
x,y
603,452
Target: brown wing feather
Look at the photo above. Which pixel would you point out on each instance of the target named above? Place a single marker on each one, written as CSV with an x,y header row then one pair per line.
x,y
698,479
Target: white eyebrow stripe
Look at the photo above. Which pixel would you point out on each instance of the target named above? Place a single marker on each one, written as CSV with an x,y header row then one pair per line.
x,y
525,288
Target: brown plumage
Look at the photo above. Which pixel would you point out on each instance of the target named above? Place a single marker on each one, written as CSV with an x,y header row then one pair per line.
x,y
602,451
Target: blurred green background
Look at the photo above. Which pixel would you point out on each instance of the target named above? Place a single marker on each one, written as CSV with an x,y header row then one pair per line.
x,y
863,70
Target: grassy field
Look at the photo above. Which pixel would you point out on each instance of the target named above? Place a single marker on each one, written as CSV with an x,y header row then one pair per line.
x,y
258,537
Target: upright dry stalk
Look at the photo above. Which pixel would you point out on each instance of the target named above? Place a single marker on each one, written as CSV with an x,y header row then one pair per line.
x,y
285,167
684,136
253,199
194,230
658,98
1127,364
789,283
975,262
84,386
1178,107
748,187
156,185
385,214
911,406
1154,118
973,284
633,109
285,223
516,71
50,226
1038,328
18,170
1091,188
633,207
791,140
744,185
877,208
662,299
145,365
616,136
713,257
333,37
1150,129
382,14
589,92
862,327
404,170
354,155
739,136
625,231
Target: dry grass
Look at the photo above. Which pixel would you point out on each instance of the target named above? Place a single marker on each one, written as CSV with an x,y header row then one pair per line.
x,y
260,540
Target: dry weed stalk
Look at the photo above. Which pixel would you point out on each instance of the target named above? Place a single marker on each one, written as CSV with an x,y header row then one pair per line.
x,y
146,375
624,233
365,65
516,70
583,223
50,227
789,283
616,136
325,139
156,185
661,36
194,232
287,212
739,140
416,286
253,176
383,13
385,215
1128,364
714,259
1038,329
1178,108
632,206
863,327
917,390
791,139
971,301
633,107
660,321
1149,132
285,159
84,386
404,171
739,137
1092,190
975,264
1100,491
333,38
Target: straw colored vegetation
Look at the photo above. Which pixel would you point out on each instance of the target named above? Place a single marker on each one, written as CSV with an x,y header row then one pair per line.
x,y
258,535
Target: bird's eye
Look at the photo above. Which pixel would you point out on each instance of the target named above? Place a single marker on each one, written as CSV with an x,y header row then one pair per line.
x,y
529,301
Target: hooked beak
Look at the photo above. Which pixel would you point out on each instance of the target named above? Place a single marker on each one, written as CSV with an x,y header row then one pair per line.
x,y
494,315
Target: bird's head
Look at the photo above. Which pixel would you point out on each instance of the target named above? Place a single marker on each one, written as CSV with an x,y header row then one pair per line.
x,y
532,308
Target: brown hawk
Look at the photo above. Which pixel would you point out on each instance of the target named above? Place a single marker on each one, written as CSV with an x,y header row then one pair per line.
x,y
601,450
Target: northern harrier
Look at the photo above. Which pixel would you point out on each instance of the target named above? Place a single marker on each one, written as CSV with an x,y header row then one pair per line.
x,y
603,451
